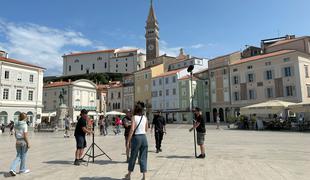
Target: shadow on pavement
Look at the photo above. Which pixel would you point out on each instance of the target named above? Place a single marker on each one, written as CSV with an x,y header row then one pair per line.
x,y
177,157
100,162
5,174
104,162
97,178
59,162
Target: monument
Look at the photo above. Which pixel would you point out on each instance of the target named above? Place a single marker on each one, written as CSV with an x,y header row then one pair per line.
x,y
62,110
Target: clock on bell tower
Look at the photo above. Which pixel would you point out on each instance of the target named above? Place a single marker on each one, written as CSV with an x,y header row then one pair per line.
x,y
151,37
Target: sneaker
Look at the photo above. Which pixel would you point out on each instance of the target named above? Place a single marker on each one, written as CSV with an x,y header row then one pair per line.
x,y
157,150
76,162
82,160
24,171
13,173
202,156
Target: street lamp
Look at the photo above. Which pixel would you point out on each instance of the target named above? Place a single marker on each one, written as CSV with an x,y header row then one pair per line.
x,y
190,70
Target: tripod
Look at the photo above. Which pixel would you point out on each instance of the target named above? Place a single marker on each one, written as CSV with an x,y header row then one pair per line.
x,y
91,150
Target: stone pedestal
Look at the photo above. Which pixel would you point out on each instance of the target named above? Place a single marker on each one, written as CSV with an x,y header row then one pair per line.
x,y
62,111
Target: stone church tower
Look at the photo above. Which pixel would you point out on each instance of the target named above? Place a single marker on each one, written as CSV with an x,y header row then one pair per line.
x,y
152,38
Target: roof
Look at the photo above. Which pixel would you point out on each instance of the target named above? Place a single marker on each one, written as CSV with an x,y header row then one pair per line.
x,y
258,57
168,73
286,41
146,68
224,55
90,52
125,50
151,17
57,84
14,61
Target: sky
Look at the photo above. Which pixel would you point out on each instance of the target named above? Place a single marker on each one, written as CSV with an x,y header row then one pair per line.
x,y
41,31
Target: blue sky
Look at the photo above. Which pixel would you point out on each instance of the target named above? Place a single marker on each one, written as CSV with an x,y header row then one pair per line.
x,y
40,31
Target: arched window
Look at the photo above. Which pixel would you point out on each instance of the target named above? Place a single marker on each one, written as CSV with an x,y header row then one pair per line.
x,y
3,118
16,115
76,61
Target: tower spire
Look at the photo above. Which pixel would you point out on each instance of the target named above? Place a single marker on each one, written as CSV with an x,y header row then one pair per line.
x,y
152,17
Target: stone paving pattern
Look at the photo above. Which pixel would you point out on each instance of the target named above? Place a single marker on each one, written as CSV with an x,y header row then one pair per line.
x,y
231,154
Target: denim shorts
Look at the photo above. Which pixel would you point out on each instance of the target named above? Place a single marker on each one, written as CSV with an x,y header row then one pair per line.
x,y
80,142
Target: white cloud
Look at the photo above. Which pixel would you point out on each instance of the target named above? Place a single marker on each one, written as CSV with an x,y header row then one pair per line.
x,y
197,46
40,45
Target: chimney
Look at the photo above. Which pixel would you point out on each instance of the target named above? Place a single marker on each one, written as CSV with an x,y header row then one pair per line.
x,y
4,54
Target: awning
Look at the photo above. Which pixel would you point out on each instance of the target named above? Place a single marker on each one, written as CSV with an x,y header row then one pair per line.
x,y
300,107
268,107
115,113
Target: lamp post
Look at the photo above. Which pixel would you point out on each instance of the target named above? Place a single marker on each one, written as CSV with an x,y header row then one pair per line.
x,y
190,70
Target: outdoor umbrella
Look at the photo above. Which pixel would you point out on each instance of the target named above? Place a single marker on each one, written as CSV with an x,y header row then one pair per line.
x,y
268,107
115,113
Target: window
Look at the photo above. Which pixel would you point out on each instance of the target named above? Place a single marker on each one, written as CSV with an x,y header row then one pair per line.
x,y
236,96
105,65
145,76
93,66
160,93
69,68
173,79
287,71
174,91
167,92
268,74
126,65
250,77
119,95
269,92
160,82
99,58
18,94
251,94
286,59
236,80
6,74
167,80
30,95
154,82
224,71
82,67
250,67
290,90
31,78
112,96
306,71
76,61
235,70
5,94
267,63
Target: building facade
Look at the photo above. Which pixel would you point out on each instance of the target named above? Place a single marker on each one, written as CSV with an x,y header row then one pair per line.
x,y
102,98
281,75
77,95
123,61
115,96
128,92
21,87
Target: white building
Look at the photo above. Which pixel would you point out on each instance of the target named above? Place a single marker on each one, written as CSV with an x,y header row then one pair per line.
x,y
77,95
128,92
20,89
105,61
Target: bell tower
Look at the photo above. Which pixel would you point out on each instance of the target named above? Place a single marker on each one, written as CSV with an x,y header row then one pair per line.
x,y
151,37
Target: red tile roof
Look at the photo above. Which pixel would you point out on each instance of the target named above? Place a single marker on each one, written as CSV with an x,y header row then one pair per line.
x,y
14,61
169,73
258,57
286,41
57,84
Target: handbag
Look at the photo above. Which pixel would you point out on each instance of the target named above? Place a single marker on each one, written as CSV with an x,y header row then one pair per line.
x,y
134,132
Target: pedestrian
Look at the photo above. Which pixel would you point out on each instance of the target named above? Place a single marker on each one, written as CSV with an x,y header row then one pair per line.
x,y
101,125
126,121
11,125
67,126
106,125
2,128
79,133
22,145
118,124
199,125
218,120
160,128
139,144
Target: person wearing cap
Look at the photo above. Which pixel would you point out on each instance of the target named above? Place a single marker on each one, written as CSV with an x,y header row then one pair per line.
x,y
200,127
127,125
22,145
79,133
160,128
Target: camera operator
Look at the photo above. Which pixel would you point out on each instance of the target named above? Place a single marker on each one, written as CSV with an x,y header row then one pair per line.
x,y
199,125
79,133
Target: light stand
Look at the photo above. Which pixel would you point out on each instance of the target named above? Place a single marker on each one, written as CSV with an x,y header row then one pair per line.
x,y
91,150
190,70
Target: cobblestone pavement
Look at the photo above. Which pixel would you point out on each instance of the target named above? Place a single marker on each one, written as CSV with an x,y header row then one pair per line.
x,y
231,154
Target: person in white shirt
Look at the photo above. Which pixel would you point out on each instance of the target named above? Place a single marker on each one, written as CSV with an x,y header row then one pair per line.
x,y
139,144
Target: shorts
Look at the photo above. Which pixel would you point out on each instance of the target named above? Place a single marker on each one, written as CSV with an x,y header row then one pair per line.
x,y
200,138
80,142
